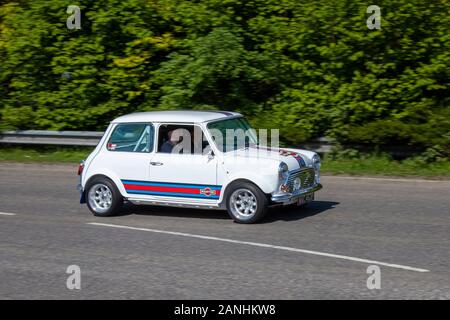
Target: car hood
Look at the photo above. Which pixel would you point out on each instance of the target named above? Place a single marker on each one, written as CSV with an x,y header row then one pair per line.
x,y
294,158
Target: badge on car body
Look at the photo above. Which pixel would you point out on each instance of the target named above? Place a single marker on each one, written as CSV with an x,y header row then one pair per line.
x,y
297,183
208,192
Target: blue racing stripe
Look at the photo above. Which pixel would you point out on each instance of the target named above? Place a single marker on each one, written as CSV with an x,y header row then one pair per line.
x,y
172,194
170,184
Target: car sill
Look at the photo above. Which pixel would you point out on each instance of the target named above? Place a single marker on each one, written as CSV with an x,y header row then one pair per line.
x,y
175,204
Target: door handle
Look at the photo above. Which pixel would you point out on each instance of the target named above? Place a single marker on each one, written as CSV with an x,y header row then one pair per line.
x,y
156,163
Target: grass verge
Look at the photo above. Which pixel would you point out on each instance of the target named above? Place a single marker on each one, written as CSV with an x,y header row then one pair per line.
x,y
366,165
44,154
384,166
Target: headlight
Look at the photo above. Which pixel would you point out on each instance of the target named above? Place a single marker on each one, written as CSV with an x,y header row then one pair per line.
x,y
316,165
316,161
283,171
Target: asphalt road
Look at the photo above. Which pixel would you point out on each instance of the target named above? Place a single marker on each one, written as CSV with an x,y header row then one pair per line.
x,y
318,252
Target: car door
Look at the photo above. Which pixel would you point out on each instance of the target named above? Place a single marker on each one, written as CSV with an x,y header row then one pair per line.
x,y
185,175
129,150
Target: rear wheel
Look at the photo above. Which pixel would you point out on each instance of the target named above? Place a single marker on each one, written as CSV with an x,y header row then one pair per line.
x,y
103,197
246,203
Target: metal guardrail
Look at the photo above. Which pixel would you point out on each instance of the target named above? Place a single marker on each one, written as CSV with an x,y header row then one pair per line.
x,y
319,145
91,139
62,138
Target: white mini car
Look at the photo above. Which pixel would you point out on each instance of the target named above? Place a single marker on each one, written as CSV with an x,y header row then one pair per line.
x,y
182,159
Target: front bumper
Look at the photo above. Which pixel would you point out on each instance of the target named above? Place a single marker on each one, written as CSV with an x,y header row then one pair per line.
x,y
291,197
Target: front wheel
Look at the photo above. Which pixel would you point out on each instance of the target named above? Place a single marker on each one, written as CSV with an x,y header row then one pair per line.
x,y
103,197
246,203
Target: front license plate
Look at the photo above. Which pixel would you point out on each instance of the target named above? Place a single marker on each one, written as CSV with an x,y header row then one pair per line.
x,y
301,201
309,197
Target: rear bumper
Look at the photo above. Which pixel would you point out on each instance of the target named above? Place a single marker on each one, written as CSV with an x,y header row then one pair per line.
x,y
82,194
291,197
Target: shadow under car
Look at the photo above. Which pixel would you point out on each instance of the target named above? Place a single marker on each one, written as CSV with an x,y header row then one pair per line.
x,y
285,213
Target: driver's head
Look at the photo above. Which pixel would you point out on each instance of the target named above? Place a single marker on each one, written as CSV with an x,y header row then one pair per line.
x,y
169,135
175,136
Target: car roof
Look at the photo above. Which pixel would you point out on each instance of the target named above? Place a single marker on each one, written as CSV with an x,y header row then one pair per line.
x,y
194,116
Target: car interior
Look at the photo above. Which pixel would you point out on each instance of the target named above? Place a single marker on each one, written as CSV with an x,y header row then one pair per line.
x,y
198,143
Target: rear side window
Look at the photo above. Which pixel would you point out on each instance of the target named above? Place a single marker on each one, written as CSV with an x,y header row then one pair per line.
x,y
132,137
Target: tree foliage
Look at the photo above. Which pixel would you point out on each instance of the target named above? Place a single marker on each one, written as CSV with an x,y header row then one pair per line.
x,y
309,68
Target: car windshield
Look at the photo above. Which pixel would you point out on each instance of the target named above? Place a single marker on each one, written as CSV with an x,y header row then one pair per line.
x,y
232,134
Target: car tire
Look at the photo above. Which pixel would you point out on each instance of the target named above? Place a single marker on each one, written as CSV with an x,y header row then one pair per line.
x,y
103,198
246,203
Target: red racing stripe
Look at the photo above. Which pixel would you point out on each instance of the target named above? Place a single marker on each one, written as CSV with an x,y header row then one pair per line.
x,y
167,189
162,189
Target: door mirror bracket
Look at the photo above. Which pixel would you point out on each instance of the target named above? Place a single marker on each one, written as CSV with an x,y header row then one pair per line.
x,y
210,154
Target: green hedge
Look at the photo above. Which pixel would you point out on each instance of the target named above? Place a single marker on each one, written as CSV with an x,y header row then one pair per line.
x,y
310,68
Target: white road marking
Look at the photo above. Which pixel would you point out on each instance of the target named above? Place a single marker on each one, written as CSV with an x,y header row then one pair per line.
x,y
264,245
7,214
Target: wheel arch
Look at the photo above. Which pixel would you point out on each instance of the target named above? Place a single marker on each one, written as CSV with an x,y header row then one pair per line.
x,y
115,181
229,186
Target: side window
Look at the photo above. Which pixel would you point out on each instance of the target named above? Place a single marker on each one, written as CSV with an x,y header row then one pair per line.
x,y
131,137
184,139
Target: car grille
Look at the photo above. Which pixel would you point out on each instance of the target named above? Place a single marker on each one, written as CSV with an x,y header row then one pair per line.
x,y
307,179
